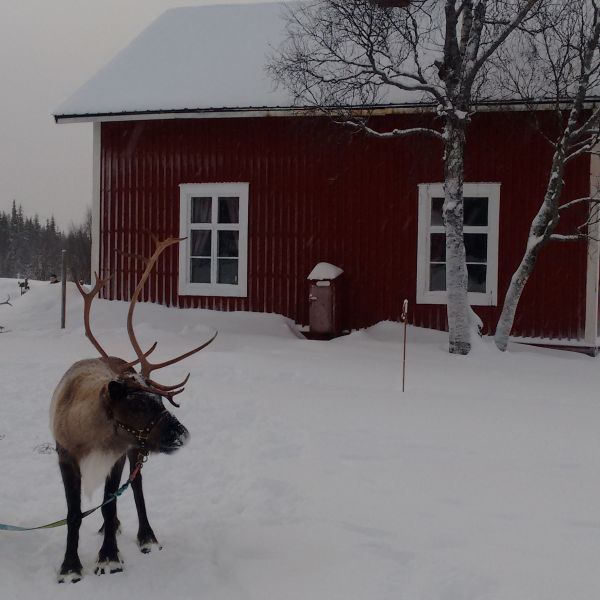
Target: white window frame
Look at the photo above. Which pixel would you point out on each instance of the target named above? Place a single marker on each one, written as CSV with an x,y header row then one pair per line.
x,y
186,192
427,191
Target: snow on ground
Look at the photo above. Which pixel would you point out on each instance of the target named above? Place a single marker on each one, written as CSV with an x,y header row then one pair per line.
x,y
309,475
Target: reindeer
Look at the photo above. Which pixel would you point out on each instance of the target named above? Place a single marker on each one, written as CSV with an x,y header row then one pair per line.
x,y
103,411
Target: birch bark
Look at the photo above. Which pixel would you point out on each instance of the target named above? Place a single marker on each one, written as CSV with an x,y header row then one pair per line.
x,y
456,270
540,232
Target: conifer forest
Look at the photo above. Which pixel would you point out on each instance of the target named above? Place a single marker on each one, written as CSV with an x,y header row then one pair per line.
x,y
32,249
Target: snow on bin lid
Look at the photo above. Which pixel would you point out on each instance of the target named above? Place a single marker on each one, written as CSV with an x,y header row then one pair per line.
x,y
324,271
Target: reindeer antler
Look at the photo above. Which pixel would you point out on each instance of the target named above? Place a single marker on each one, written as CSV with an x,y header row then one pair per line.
x,y
146,366
166,391
88,298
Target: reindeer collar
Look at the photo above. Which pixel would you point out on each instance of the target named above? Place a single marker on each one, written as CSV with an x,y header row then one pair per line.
x,y
141,435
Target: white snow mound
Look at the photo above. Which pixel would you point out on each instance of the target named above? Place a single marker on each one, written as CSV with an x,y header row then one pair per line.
x,y
309,474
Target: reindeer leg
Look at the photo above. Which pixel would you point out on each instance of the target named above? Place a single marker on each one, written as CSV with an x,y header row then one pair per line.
x,y
109,560
146,539
71,568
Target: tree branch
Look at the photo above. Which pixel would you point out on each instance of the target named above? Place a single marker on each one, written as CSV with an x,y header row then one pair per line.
x,y
395,133
501,38
555,237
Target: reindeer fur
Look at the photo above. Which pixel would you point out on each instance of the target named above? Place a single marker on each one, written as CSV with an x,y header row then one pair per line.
x,y
92,449
78,410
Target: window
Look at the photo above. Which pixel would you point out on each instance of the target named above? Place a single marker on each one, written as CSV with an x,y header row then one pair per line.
x,y
213,260
481,213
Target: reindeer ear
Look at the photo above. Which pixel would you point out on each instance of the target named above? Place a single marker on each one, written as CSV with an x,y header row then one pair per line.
x,y
117,390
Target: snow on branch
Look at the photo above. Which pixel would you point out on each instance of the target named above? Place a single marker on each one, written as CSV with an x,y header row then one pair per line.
x,y
586,200
394,133
555,237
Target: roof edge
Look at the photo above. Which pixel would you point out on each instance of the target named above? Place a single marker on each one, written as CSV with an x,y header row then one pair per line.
x,y
288,111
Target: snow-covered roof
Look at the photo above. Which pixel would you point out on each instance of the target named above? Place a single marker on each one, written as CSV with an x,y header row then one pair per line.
x,y
202,59
194,58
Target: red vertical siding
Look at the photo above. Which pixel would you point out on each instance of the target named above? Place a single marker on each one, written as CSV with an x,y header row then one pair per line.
x,y
319,193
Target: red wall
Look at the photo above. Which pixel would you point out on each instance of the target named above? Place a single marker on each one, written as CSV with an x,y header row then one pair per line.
x,y
321,193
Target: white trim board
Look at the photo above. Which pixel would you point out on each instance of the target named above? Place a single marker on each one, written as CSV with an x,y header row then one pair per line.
x,y
541,341
96,170
593,258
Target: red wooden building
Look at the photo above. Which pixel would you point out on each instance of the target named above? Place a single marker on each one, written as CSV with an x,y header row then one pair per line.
x,y
185,145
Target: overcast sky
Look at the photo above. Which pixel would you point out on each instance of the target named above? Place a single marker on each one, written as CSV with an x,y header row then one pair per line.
x,y
48,48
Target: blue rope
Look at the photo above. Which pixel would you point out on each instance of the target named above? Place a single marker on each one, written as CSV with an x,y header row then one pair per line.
x,y
62,522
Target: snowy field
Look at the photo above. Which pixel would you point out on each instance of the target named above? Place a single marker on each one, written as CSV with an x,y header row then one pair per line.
x,y
309,475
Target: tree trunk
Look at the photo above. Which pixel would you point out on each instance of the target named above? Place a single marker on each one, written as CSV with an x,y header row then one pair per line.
x,y
513,295
456,269
542,227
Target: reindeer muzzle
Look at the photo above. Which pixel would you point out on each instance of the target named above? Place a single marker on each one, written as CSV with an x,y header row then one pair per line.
x,y
173,435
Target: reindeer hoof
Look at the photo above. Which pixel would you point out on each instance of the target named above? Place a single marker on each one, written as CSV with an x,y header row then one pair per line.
x,y
147,541
106,567
149,546
72,576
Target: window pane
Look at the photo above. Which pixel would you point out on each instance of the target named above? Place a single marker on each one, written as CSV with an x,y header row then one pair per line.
x,y
477,278
229,210
476,247
476,273
229,244
201,210
438,247
437,278
228,271
476,211
200,242
200,270
436,211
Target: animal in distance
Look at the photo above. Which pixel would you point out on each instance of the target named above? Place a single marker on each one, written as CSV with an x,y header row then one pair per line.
x,y
103,411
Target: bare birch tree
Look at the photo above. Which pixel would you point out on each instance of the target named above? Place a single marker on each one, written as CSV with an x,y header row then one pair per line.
x,y
344,54
558,59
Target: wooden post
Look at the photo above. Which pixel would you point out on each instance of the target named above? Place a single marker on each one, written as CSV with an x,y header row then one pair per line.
x,y
63,282
404,319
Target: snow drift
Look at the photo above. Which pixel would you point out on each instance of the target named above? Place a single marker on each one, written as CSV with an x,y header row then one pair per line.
x,y
308,473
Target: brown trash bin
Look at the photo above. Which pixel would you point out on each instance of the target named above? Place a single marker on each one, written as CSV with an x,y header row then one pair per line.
x,y
324,314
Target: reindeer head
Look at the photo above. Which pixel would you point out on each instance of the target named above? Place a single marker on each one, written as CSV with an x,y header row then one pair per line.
x,y
133,401
140,416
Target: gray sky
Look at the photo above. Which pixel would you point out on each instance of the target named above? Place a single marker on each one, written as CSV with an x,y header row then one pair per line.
x,y
48,48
